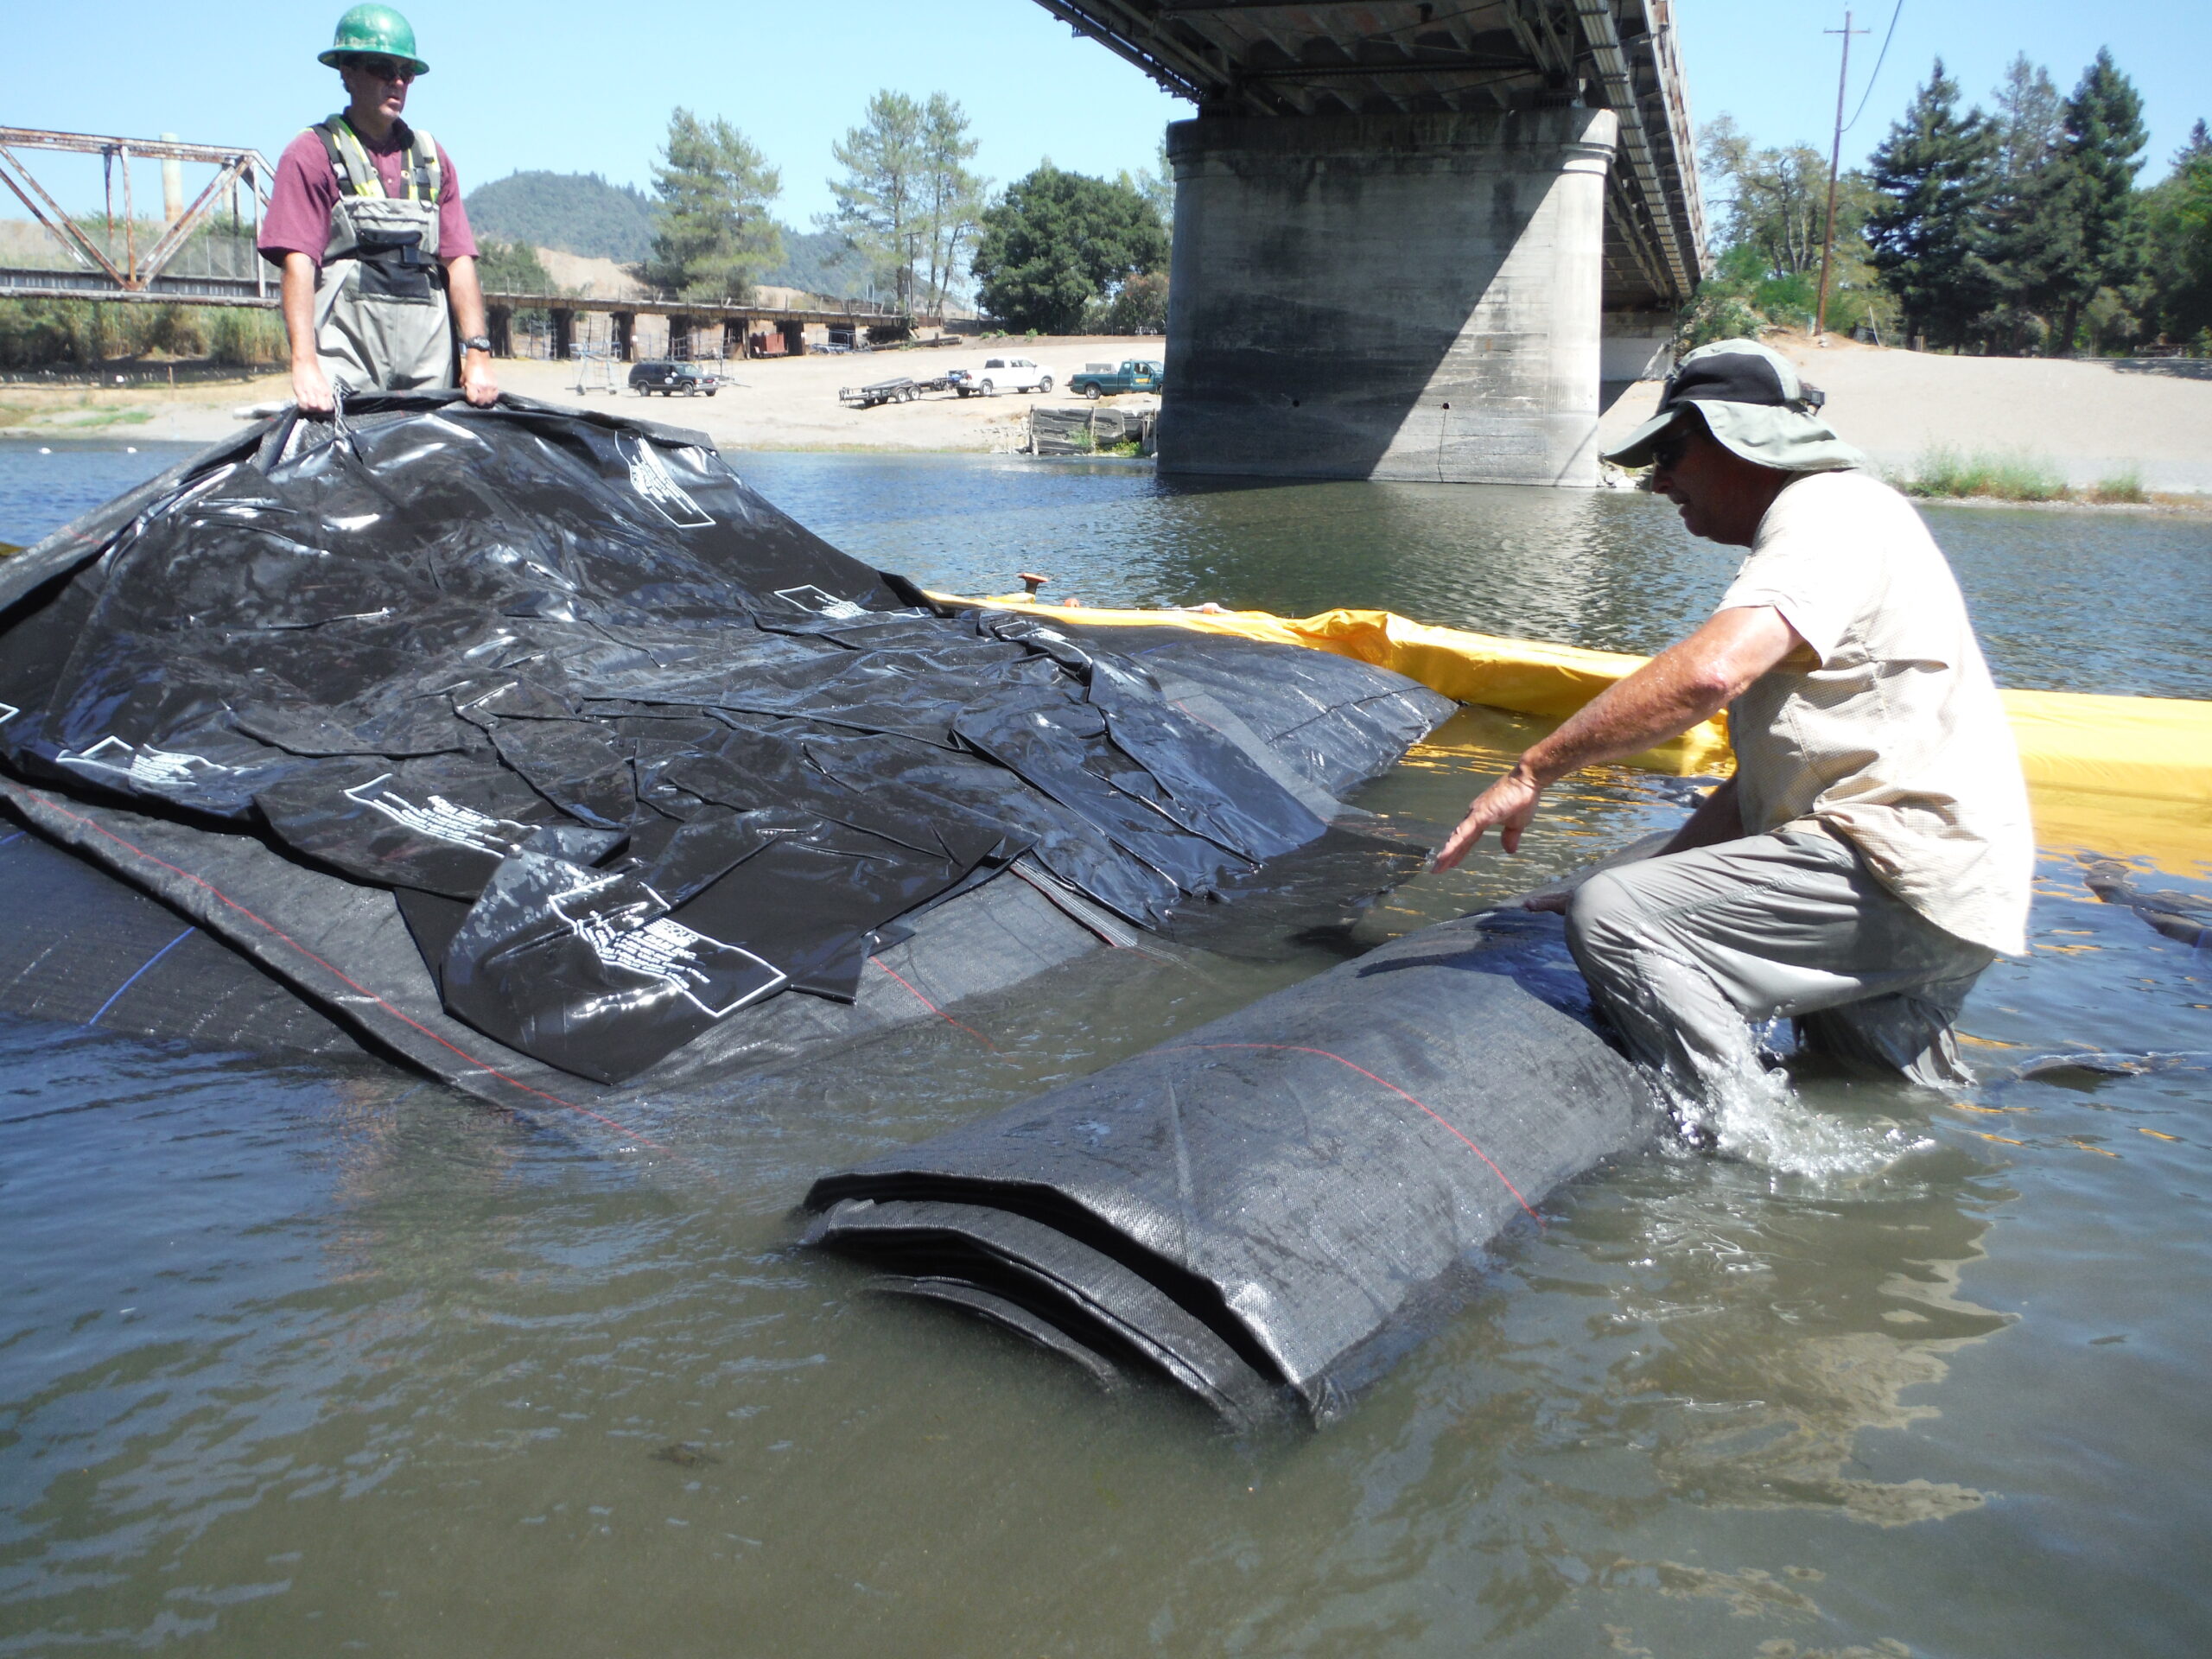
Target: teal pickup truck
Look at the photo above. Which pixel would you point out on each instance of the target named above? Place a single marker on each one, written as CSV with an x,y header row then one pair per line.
x,y
1104,379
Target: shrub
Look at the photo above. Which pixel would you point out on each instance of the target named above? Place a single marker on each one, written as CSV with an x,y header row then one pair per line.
x,y
2123,485
240,338
2018,476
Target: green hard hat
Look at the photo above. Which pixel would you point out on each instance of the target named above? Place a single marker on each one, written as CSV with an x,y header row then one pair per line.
x,y
373,30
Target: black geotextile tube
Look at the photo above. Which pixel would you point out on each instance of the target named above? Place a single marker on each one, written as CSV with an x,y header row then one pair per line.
x,y
78,948
1247,1209
630,752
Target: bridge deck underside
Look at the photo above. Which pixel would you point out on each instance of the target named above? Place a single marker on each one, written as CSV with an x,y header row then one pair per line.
x,y
1258,58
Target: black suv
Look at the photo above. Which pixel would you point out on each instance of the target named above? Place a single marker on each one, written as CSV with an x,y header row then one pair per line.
x,y
669,378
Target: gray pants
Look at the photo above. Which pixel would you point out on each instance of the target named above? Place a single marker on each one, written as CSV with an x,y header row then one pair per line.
x,y
1687,952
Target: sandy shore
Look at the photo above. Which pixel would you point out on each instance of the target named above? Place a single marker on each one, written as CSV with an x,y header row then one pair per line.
x,y
770,404
2090,419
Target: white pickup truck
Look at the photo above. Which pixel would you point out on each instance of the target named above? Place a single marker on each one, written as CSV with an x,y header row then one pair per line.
x,y
1001,374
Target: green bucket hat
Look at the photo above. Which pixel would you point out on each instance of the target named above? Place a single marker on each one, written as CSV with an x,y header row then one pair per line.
x,y
1753,404
373,32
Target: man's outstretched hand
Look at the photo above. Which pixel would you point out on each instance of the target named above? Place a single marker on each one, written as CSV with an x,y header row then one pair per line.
x,y
1507,805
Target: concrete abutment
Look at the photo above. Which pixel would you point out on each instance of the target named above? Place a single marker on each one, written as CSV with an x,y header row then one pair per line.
x,y
1396,296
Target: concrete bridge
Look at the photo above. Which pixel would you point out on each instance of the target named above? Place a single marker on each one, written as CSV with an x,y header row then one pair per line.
x,y
1413,240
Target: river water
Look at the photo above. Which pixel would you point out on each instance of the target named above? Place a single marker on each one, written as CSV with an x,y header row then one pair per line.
x,y
324,1359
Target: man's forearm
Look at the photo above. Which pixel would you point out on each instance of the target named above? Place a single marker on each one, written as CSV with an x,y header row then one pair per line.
x,y
1668,694
467,293
477,382
1685,684
1658,701
296,296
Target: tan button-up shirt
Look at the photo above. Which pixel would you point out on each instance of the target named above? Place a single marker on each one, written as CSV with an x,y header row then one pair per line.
x,y
1886,727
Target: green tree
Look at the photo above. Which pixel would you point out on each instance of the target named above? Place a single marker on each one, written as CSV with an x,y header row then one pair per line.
x,y
1930,229
713,236
1773,206
2179,211
2080,228
2026,113
880,197
952,197
1138,306
1058,241
1157,185
907,202
1775,199
2028,117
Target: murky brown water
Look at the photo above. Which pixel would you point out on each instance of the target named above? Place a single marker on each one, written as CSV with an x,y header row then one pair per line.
x,y
304,1361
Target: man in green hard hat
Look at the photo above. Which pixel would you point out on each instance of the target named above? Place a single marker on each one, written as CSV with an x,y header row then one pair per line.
x,y
365,222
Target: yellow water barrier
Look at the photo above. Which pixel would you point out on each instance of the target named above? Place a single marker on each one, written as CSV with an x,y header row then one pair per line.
x,y
2130,775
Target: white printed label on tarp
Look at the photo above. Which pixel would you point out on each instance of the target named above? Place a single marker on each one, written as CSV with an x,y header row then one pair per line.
x,y
822,603
704,972
444,820
158,767
662,492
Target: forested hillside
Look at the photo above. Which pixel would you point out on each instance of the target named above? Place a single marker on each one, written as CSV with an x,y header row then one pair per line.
x,y
577,213
581,212
822,262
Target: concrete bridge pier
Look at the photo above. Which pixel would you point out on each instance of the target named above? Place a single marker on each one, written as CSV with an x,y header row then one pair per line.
x,y
1392,296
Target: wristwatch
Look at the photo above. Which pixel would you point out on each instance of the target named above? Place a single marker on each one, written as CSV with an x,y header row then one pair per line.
x,y
478,343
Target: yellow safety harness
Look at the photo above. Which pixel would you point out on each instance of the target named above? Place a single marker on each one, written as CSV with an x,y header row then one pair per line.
x,y
357,173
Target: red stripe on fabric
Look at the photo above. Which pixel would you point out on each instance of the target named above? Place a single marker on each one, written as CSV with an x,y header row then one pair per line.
x,y
405,1018
1293,1048
932,1007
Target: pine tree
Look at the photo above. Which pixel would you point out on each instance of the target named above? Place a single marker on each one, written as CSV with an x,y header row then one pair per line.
x,y
2180,223
2029,120
879,198
952,197
2028,116
2083,229
1930,230
713,236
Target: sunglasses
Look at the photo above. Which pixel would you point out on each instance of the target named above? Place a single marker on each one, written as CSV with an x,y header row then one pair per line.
x,y
385,68
1667,453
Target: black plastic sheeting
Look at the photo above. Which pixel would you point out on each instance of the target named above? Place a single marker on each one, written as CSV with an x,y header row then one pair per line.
x,y
543,727
1251,1209
2185,917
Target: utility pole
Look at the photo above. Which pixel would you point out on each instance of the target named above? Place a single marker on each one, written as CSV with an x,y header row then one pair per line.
x,y
1835,166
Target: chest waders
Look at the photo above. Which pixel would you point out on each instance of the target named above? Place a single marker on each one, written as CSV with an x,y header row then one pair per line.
x,y
382,321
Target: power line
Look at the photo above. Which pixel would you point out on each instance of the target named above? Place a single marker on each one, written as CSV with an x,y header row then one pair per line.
x,y
1877,75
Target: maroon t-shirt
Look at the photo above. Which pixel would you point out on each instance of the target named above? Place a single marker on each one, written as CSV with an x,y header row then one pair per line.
x,y
307,189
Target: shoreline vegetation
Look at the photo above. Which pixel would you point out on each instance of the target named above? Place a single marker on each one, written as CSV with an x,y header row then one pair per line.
x,y
1942,472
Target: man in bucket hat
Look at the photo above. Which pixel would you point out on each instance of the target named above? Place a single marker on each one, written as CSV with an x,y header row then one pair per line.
x,y
1871,854
367,224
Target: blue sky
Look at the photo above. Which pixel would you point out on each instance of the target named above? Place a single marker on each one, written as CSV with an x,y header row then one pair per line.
x,y
586,88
